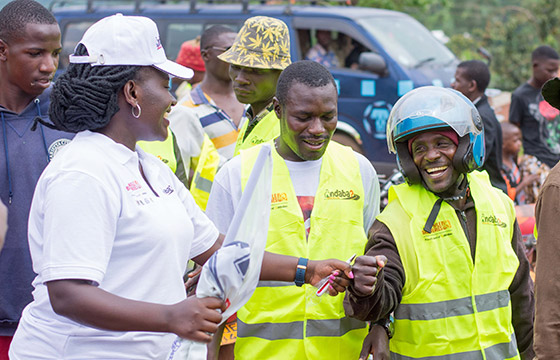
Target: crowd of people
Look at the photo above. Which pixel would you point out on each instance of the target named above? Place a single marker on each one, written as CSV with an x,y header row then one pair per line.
x,y
110,185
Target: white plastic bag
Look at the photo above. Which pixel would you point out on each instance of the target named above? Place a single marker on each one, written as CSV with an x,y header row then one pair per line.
x,y
232,272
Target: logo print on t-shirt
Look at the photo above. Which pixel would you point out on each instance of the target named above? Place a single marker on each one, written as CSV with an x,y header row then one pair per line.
x,y
133,185
56,146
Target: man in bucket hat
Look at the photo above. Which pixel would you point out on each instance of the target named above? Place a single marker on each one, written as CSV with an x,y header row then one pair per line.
x,y
547,288
258,55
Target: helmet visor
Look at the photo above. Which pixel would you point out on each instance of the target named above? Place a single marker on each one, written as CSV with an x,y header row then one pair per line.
x,y
427,108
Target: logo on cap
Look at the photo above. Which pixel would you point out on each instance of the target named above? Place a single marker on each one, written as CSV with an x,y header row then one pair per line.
x,y
158,43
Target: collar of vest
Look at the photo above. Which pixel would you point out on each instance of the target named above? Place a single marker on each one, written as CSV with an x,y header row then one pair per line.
x,y
437,205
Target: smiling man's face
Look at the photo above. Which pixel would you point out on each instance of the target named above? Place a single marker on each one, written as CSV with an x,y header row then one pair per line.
x,y
433,155
307,121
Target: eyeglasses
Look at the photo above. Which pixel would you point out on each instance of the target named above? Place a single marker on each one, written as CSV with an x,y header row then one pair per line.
x,y
221,49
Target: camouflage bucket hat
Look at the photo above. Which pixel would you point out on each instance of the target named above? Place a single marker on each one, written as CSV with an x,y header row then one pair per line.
x,y
263,42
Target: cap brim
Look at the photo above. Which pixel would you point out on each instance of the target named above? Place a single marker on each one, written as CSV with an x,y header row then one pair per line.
x,y
174,69
551,92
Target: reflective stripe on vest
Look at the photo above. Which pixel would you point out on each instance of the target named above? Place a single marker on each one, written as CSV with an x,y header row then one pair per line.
x,y
266,129
295,329
208,163
452,308
163,150
495,352
456,307
281,320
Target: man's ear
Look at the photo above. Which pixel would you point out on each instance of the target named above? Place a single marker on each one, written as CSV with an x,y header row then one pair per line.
x,y
277,107
4,48
473,86
204,55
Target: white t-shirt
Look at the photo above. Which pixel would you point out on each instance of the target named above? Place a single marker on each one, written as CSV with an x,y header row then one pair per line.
x,y
226,190
94,217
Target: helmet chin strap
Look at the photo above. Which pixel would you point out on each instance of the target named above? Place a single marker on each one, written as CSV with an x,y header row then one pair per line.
x,y
460,191
462,188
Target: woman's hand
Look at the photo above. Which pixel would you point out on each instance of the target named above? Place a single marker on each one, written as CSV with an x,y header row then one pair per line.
x,y
87,304
196,318
366,270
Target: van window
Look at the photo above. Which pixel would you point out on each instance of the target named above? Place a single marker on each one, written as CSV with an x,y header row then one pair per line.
x,y
347,42
73,33
407,41
346,49
181,31
177,34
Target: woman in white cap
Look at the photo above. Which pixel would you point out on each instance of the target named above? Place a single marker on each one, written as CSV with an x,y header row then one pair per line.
x,y
111,228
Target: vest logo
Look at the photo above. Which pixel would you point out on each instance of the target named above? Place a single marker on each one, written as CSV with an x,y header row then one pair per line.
x,y
279,197
165,161
439,226
493,220
256,140
341,195
56,146
440,230
279,201
132,186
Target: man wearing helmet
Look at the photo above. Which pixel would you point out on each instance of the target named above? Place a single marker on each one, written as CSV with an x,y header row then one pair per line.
x,y
445,256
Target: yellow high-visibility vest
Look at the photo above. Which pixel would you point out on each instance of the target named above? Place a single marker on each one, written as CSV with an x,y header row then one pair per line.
x,y
452,308
266,129
208,163
281,320
163,150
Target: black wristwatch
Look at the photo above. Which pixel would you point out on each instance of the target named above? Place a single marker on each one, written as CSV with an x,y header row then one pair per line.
x,y
389,326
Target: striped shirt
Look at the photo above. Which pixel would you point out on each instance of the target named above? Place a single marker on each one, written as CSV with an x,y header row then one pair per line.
x,y
197,113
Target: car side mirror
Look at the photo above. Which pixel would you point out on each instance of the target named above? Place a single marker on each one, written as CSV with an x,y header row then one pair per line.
x,y
370,61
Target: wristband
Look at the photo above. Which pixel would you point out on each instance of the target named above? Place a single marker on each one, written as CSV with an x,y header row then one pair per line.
x,y
300,271
388,325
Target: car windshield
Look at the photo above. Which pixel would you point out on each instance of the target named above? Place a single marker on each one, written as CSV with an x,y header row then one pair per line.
x,y
407,41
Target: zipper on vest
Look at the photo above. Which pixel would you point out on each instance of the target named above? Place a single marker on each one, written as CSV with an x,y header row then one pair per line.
x,y
463,220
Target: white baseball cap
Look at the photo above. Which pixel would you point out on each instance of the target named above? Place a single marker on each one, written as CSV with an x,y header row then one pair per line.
x,y
127,40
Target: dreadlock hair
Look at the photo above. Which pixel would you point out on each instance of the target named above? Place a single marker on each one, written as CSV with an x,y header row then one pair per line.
x,y
305,72
212,33
85,96
18,13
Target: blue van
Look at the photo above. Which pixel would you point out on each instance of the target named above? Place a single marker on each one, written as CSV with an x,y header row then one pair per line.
x,y
392,52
